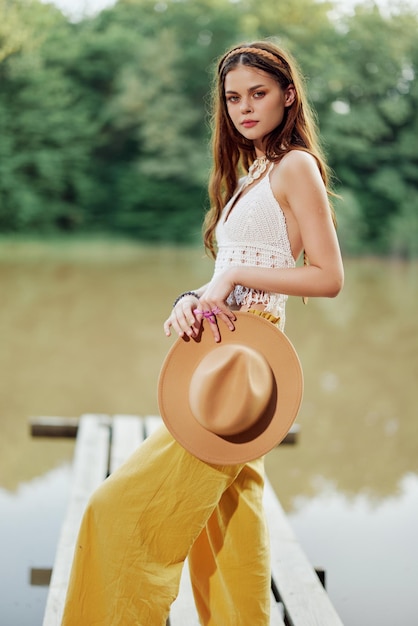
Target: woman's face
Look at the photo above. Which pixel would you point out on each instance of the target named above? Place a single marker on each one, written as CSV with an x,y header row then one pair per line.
x,y
255,102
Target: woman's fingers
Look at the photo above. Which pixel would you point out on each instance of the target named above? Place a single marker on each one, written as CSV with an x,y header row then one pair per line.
x,y
187,316
210,317
183,321
226,315
213,312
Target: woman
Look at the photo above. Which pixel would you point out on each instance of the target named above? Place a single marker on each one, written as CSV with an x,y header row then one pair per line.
x,y
164,504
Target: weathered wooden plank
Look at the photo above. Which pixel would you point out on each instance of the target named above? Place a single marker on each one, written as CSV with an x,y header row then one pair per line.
x,y
54,426
68,427
40,576
276,616
89,470
127,434
305,600
292,436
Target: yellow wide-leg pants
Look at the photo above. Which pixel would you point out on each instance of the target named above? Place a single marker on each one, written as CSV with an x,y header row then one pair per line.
x,y
162,506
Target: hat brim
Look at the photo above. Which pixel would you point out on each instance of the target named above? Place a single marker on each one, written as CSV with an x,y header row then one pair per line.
x,y
173,392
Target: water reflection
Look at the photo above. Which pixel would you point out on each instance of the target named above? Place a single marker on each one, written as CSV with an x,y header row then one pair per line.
x,y
368,548
360,359
30,523
81,331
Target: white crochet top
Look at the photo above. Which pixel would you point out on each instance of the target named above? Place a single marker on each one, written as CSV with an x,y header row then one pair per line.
x,y
254,233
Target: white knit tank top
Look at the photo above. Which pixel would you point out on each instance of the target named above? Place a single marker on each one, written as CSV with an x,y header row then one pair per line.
x,y
254,234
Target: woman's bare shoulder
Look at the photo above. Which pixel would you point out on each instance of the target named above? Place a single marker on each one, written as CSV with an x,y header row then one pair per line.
x,y
297,168
298,159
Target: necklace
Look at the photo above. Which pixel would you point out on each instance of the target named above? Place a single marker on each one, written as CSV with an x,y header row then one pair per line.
x,y
257,168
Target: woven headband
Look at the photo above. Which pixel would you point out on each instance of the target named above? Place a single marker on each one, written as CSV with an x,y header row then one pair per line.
x,y
258,51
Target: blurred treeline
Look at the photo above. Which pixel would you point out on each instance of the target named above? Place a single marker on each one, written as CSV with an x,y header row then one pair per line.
x,y
104,123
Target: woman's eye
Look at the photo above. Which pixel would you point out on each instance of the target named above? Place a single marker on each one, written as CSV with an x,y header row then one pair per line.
x,y
259,94
232,99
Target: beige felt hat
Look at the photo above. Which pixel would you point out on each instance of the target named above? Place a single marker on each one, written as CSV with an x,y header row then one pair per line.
x,y
233,401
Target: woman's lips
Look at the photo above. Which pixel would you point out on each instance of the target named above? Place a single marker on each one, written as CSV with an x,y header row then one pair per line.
x,y
249,123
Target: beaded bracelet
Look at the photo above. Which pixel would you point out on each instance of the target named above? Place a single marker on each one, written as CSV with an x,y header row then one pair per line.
x,y
182,295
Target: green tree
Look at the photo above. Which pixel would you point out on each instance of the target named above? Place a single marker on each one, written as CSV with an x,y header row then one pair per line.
x,y
104,122
371,122
43,129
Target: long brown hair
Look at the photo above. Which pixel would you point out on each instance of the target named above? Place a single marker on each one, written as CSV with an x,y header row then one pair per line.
x,y
231,151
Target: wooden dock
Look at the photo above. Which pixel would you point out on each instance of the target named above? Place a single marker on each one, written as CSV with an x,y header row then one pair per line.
x,y
102,444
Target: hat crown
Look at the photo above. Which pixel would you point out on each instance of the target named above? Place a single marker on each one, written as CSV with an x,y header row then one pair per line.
x,y
230,389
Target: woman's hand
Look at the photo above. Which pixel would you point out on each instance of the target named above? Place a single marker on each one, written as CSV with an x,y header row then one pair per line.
x,y
182,319
187,316
212,304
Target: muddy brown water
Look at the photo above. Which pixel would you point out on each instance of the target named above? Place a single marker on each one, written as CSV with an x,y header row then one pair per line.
x,y
81,331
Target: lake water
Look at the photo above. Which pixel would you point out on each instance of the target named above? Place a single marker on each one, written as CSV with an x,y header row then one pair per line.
x,y
81,331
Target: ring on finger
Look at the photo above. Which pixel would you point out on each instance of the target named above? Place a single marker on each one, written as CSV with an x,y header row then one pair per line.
x,y
216,310
209,316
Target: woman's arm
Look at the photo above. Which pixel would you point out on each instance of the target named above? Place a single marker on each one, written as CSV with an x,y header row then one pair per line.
x,y
298,186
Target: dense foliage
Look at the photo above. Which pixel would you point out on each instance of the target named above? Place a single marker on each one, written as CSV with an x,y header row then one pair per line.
x,y
104,125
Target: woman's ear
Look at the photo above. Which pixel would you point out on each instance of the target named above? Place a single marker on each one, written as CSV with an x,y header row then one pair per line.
x,y
289,95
